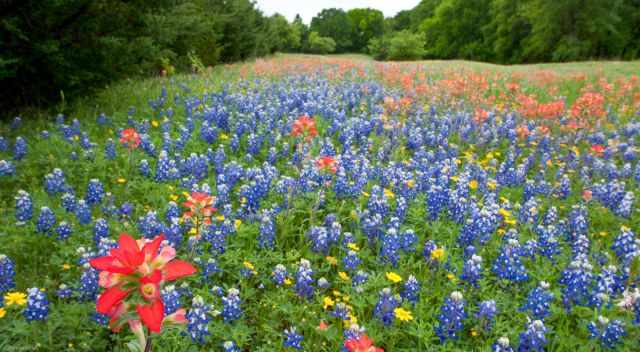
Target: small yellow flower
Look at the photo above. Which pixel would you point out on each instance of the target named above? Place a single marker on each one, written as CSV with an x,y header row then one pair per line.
x,y
393,277
353,247
337,293
411,183
501,231
331,260
220,218
238,222
437,253
76,137
17,298
173,197
454,178
122,180
155,123
451,277
243,200
474,333
603,234
388,193
248,265
66,266
510,221
504,212
343,276
402,314
492,185
365,194
327,302
473,184
223,136
193,231
288,282
2,313
346,299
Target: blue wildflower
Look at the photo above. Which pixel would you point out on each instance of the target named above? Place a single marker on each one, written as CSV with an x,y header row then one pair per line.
x,y
292,339
608,333
198,320
538,301
37,305
452,314
387,302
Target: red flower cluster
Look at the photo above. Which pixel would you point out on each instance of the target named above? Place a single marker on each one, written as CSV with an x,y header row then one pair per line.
x,y
136,270
200,206
363,344
305,127
327,164
130,138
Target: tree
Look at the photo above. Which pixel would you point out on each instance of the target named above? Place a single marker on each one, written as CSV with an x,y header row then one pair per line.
x,y
507,30
367,23
335,24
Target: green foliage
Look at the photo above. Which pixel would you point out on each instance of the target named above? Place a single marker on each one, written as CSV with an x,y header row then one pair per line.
x,y
320,45
335,24
405,45
367,24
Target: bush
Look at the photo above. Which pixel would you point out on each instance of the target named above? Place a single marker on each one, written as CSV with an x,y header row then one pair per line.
x,y
402,45
320,45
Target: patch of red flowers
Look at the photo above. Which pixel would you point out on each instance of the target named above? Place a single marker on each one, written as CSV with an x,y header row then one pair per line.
x,y
132,275
304,127
327,164
597,149
362,344
130,138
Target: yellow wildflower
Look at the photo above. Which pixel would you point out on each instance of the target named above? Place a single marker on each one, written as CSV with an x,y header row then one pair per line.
x,y
331,260
388,193
337,293
2,313
248,265
411,183
327,302
66,266
603,233
122,180
155,123
473,184
238,222
220,217
510,221
17,298
288,282
343,276
474,333
504,212
492,185
193,231
223,136
402,314
393,277
451,277
173,197
437,253
365,194
353,247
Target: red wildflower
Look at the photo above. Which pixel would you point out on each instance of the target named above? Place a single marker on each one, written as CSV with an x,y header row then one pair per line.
x,y
130,138
200,205
597,149
137,264
327,164
362,344
322,326
304,126
587,195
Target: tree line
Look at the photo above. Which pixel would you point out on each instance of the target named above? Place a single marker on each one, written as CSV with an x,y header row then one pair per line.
x,y
55,47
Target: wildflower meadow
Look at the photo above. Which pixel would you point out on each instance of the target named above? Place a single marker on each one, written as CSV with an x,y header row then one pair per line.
x,y
328,203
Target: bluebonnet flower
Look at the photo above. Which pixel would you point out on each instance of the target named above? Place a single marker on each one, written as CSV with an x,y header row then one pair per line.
x,y
19,149
144,168
452,313
210,268
391,244
88,290
319,238
548,245
472,270
198,320
110,150
625,206
24,207
83,212
508,264
626,246
608,333
267,234
95,192
351,261
7,274
359,278
502,345
55,182
100,230
171,299
411,290
538,301
533,339
46,221
304,282
231,310
340,311
230,346
37,305
577,279
64,291
486,314
279,275
387,302
7,168
607,284
63,230
68,202
292,339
